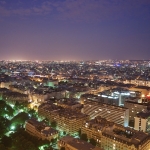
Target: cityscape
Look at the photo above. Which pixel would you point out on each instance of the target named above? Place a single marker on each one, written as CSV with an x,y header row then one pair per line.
x,y
67,105
75,75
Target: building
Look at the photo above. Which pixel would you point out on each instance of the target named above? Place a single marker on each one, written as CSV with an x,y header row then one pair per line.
x,y
117,96
113,113
140,82
142,122
69,103
91,97
70,143
13,97
112,136
5,84
67,120
143,89
93,128
3,91
39,130
136,107
44,110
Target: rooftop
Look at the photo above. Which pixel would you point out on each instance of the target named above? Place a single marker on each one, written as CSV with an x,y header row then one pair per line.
x,y
144,115
78,144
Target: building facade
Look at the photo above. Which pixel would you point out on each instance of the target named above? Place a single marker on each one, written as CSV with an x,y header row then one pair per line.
x,y
70,143
135,108
112,136
142,122
67,120
113,113
40,131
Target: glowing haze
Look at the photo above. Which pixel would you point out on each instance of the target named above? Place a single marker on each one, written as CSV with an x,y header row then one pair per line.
x,y
74,29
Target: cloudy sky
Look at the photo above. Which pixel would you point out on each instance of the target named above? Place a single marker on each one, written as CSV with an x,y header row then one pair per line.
x,y
74,29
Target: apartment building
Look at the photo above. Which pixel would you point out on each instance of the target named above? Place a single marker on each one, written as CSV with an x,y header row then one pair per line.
x,y
112,136
13,97
39,130
142,122
113,113
136,107
140,82
70,143
69,103
44,110
67,120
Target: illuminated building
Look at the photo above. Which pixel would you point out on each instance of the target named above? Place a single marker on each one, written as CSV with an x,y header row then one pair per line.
x,y
69,103
112,136
136,107
116,96
142,122
70,143
85,97
44,110
39,130
13,97
51,83
19,89
113,113
67,120
143,89
76,91
5,84
140,82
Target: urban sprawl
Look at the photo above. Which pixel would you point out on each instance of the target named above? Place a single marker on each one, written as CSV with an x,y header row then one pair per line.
x,y
75,105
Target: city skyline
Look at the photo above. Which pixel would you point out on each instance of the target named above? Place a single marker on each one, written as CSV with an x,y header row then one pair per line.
x,y
88,105
74,30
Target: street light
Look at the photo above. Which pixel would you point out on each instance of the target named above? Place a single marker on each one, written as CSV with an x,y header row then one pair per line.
x,y
12,127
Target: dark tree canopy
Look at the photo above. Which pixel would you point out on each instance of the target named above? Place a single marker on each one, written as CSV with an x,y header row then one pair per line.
x,y
5,109
84,137
93,141
6,141
20,118
2,147
24,141
53,124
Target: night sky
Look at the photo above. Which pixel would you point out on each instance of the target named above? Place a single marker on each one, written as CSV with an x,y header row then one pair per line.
x,y
74,29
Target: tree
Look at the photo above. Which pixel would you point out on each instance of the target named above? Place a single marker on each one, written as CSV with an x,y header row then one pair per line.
x,y
46,121
5,109
32,113
20,119
84,137
4,121
79,132
64,132
48,148
9,111
17,105
4,125
20,142
29,145
45,142
6,141
93,142
2,147
54,124
53,141
24,104
2,130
